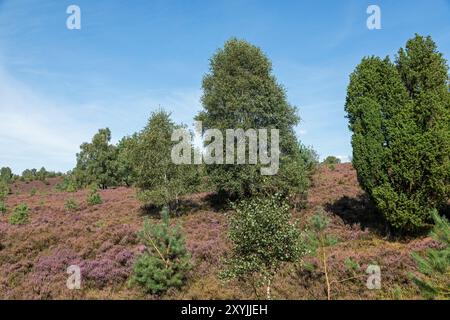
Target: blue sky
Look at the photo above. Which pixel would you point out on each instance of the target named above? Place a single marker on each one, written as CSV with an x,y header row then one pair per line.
x,y
59,86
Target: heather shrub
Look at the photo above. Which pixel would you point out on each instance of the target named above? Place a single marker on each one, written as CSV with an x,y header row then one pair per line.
x,y
49,270
399,114
19,215
107,270
166,261
71,205
434,265
93,197
55,262
263,240
205,241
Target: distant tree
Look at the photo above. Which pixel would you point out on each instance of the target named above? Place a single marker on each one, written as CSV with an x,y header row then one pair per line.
x,y
400,118
263,240
28,175
96,161
166,261
331,160
241,92
160,181
124,165
41,174
6,175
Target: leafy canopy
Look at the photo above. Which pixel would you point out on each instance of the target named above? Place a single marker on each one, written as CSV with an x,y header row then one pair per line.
x,y
160,181
96,161
263,239
240,92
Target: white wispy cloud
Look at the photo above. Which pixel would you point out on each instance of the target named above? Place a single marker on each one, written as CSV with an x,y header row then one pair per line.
x,y
34,131
39,130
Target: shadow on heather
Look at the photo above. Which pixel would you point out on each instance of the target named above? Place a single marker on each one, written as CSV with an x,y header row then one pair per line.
x,y
360,211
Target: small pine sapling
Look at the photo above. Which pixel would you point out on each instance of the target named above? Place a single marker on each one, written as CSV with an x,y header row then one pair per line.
x,y
94,197
166,261
434,266
19,215
71,205
318,241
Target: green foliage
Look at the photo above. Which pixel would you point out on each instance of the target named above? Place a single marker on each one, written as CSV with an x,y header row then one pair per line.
x,y
4,190
166,260
330,160
96,161
263,239
3,208
240,92
28,175
352,265
124,165
160,181
317,240
19,215
71,205
434,266
69,184
397,293
6,175
93,197
33,192
400,118
42,174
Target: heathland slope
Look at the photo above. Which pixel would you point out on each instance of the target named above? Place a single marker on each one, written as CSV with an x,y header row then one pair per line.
x,y
102,240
